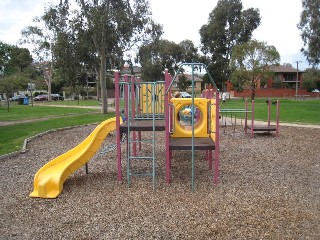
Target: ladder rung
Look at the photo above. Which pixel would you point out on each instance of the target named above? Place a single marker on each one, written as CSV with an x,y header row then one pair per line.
x,y
140,157
141,174
142,141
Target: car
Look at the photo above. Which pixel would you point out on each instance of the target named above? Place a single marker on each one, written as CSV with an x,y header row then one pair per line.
x,y
185,95
42,97
316,90
56,97
16,98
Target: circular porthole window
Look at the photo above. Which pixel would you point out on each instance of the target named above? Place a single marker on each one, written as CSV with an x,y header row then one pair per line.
x,y
185,117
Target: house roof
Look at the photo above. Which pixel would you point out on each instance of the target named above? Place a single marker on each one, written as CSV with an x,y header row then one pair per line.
x,y
284,69
189,77
126,69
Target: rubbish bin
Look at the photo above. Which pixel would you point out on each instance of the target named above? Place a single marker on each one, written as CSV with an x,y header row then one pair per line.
x,y
20,101
25,101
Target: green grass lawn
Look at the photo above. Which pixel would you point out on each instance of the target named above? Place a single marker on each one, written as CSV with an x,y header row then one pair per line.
x,y
12,137
23,112
291,111
72,103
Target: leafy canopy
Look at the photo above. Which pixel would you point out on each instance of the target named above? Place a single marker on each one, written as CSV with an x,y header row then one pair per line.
x,y
309,26
158,55
250,64
228,25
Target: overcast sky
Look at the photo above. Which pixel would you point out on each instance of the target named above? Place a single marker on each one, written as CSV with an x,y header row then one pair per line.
x,y
182,20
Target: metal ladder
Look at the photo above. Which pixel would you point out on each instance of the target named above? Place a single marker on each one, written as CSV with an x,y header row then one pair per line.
x,y
132,140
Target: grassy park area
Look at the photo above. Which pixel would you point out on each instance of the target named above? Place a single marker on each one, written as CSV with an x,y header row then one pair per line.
x,y
291,111
30,121
42,117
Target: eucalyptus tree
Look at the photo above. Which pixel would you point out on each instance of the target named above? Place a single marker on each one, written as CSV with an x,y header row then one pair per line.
x,y
228,25
250,64
311,79
309,26
14,74
158,55
44,34
115,27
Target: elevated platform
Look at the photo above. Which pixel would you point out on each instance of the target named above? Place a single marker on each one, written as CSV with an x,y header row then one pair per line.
x,y
186,144
264,128
143,125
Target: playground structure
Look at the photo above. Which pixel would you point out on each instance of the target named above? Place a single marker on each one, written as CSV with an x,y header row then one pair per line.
x,y
190,124
147,106
232,117
259,127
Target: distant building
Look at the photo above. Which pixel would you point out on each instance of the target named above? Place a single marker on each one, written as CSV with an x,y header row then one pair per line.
x,y
281,84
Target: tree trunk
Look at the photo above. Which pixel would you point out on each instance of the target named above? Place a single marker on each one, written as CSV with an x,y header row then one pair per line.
x,y
103,84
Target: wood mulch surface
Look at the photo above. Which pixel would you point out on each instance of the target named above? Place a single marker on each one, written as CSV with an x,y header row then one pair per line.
x,y
269,189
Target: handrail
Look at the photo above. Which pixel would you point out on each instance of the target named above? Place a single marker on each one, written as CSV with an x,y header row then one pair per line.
x,y
171,131
192,64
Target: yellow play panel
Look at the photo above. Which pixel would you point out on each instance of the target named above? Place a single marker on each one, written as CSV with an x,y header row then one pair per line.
x,y
183,114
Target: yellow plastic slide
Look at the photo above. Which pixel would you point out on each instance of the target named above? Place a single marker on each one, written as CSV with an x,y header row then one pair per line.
x,y
48,181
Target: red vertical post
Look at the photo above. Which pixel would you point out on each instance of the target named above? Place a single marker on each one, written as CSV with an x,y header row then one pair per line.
x,y
118,136
278,118
206,96
269,107
167,127
217,143
246,117
126,96
138,80
252,117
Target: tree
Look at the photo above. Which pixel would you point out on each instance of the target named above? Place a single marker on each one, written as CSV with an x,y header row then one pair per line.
x,y
309,26
183,83
250,63
156,56
311,79
189,51
13,62
115,26
228,26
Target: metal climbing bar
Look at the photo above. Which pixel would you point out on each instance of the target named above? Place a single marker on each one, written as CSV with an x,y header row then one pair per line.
x,y
133,103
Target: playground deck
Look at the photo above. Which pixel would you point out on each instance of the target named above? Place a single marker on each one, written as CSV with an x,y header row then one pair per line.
x,y
186,144
264,128
143,125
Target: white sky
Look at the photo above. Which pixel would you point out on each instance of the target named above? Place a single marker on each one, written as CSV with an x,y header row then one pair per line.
x,y
182,20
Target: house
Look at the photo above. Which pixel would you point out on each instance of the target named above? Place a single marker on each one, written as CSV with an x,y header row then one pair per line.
x,y
197,83
282,84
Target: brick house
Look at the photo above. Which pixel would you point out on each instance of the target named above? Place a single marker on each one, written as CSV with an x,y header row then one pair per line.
x,y
197,83
281,84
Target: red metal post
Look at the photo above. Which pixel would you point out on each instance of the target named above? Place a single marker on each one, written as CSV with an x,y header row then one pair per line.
x,y
246,117
269,107
278,118
252,117
217,143
126,96
138,80
167,127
